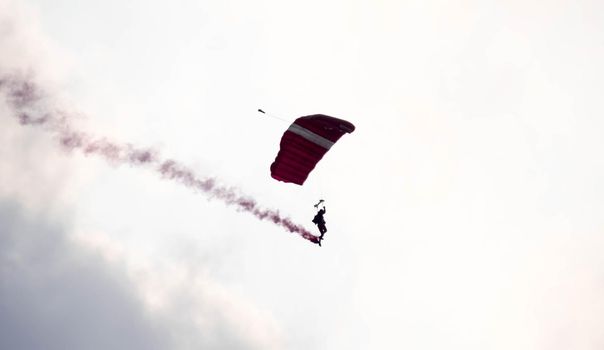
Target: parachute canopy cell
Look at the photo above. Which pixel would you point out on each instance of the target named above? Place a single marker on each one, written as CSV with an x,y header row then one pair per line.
x,y
304,143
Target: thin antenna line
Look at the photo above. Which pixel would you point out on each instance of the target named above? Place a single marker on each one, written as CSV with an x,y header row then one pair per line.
x,y
274,116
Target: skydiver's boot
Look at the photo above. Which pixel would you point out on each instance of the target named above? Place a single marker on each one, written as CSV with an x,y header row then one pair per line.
x,y
319,242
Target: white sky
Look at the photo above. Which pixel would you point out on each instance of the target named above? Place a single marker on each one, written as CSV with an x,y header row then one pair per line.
x,y
465,212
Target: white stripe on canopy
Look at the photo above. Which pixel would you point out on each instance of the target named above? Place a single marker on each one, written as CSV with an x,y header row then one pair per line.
x,y
310,136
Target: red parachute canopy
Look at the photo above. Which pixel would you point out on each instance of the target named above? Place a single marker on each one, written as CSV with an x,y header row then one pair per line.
x,y
304,143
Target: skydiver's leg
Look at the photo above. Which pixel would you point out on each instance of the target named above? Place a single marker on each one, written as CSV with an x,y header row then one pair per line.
x,y
322,229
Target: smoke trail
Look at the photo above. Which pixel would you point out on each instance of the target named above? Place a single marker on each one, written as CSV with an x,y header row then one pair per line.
x,y
30,106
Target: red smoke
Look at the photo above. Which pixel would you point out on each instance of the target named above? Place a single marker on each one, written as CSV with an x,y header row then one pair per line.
x,y
28,104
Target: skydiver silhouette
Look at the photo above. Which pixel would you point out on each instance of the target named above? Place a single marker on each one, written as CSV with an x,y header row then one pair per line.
x,y
319,220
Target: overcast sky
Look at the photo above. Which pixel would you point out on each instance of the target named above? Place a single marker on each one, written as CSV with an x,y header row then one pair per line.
x,y
465,211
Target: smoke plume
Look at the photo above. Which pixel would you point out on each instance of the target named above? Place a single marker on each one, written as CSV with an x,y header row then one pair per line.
x,y
31,106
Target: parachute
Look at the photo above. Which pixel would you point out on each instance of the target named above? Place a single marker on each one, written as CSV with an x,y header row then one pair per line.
x,y
303,145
